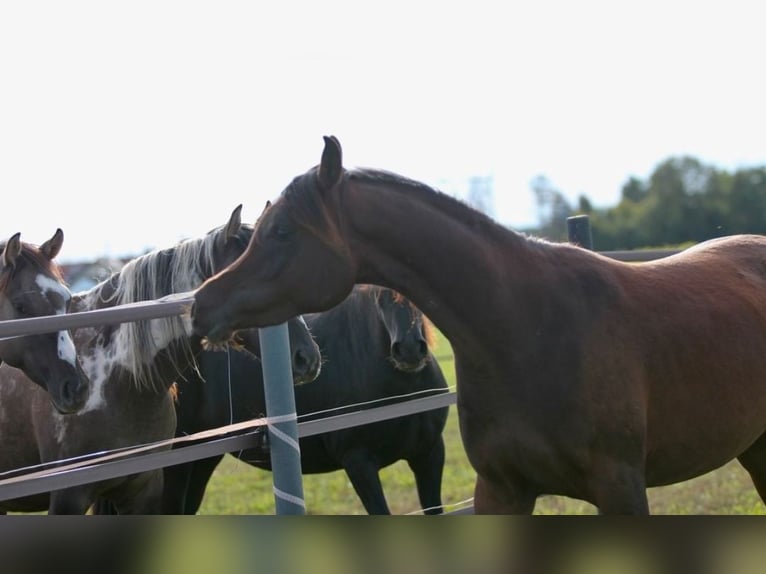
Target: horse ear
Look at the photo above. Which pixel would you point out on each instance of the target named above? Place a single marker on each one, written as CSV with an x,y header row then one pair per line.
x,y
331,166
235,222
11,250
265,209
52,247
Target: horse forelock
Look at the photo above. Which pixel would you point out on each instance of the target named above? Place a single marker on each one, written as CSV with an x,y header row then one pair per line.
x,y
429,331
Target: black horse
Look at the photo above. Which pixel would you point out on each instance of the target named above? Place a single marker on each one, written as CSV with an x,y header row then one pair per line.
x,y
375,345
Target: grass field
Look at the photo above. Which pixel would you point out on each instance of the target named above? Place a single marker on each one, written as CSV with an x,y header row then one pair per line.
x,y
237,488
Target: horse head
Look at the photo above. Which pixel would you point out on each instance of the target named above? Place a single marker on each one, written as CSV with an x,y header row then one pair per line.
x,y
306,358
31,285
408,329
295,238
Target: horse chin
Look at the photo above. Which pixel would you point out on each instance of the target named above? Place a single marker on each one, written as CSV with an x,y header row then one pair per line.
x,y
70,400
410,367
218,338
305,379
65,409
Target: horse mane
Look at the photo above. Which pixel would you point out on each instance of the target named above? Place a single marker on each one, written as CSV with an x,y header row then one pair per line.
x,y
452,206
307,204
155,274
31,255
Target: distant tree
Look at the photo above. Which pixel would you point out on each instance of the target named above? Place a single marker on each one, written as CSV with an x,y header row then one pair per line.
x,y
745,197
634,190
683,200
584,205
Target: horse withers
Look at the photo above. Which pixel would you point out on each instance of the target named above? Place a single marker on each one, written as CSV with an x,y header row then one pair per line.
x,y
376,350
577,374
32,285
132,367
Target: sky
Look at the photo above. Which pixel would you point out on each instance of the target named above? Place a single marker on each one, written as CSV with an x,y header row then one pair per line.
x,y
133,125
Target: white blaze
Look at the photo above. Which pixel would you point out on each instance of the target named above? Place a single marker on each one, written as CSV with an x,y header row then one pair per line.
x,y
66,349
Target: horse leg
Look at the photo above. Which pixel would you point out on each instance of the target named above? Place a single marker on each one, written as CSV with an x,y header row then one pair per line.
x,y
103,506
198,479
175,480
428,469
74,500
619,488
754,461
143,497
364,477
510,497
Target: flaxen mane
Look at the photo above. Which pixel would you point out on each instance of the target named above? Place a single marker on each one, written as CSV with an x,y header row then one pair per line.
x,y
152,276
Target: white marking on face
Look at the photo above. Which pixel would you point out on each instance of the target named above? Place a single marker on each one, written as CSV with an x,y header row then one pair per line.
x,y
50,285
66,348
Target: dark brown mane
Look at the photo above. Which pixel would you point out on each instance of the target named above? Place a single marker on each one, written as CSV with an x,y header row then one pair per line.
x,y
31,255
448,204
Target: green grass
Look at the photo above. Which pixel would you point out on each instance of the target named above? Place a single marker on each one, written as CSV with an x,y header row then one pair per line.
x,y
237,488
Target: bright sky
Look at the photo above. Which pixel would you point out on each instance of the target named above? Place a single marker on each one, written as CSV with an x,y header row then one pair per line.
x,y
132,125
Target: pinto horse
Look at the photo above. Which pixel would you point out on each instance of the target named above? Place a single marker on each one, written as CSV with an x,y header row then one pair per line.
x,y
577,375
132,367
32,285
376,350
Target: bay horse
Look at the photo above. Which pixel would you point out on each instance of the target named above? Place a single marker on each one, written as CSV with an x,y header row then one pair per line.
x,y
577,375
375,347
32,285
132,367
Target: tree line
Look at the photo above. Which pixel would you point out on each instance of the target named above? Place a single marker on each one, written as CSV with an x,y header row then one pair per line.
x,y
682,201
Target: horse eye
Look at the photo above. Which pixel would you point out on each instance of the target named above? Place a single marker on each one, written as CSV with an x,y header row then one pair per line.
x,y
281,231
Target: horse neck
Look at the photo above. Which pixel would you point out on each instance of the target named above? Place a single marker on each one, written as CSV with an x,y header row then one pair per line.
x,y
445,257
147,356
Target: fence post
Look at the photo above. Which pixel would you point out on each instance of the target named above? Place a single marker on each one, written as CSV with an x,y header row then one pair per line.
x,y
578,230
283,432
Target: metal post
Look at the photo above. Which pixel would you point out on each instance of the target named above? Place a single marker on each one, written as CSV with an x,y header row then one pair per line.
x,y
578,230
283,432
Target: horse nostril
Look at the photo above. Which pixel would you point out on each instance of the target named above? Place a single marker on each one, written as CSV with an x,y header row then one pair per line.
x,y
396,350
300,361
423,348
68,390
71,395
306,366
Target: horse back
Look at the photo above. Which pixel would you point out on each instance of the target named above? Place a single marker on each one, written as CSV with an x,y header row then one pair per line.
x,y
683,356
